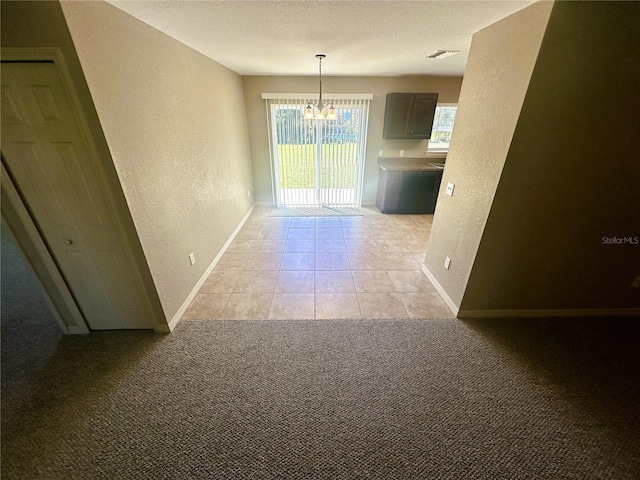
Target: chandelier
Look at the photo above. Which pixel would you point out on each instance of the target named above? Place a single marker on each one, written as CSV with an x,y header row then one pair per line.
x,y
322,111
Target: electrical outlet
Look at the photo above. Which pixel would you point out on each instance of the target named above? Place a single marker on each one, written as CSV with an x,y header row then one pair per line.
x,y
450,189
249,193
402,153
192,258
380,153
447,262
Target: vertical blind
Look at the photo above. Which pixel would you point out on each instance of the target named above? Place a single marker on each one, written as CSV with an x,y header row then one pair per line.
x,y
317,162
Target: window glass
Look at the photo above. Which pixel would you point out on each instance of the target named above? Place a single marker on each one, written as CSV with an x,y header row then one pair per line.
x,y
442,127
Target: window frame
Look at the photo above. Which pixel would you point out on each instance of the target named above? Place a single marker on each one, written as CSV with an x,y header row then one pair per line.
x,y
440,149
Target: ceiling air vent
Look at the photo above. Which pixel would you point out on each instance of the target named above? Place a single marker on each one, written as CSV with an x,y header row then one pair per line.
x,y
440,54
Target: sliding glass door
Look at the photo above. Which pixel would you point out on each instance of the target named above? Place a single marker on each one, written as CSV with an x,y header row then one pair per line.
x,y
318,162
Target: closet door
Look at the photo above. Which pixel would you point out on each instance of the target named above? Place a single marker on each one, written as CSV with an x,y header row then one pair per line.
x,y
45,153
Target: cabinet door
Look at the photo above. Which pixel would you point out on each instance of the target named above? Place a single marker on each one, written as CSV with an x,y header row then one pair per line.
x,y
417,192
396,116
422,113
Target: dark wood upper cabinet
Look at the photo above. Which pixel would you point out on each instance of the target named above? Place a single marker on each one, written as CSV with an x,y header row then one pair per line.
x,y
409,115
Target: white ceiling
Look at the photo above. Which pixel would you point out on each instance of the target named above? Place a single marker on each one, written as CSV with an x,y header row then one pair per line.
x,y
359,37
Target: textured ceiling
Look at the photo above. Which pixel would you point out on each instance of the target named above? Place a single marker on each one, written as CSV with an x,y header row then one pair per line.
x,y
359,37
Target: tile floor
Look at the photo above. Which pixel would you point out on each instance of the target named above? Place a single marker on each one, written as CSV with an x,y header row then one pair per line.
x,y
322,267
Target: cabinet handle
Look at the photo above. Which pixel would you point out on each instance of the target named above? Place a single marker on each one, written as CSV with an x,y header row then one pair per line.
x,y
68,242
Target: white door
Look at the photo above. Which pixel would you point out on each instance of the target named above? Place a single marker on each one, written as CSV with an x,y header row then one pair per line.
x,y
46,155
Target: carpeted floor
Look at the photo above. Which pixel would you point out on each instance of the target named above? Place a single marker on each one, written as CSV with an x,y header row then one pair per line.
x,y
318,399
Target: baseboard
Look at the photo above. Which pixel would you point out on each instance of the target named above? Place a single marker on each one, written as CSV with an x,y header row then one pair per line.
x,y
368,204
263,204
75,330
183,308
550,312
450,303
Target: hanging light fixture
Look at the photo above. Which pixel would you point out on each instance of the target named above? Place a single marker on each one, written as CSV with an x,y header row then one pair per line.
x,y
322,111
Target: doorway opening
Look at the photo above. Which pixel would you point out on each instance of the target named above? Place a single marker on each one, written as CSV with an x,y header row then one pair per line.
x,y
317,162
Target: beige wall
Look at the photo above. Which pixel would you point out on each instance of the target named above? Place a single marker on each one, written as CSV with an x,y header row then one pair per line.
x,y
500,64
572,174
544,156
175,124
448,89
42,24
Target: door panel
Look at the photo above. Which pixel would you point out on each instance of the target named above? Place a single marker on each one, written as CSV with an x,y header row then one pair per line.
x,y
46,154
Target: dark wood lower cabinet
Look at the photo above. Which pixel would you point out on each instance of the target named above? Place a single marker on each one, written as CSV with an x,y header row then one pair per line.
x,y
408,191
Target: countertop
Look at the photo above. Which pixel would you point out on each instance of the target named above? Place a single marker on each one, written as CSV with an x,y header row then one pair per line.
x,y
405,164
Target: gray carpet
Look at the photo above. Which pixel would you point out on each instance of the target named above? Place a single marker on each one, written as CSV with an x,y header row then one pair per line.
x,y
343,399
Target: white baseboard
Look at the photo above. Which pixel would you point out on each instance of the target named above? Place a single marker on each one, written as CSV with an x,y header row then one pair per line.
x,y
263,204
368,204
183,308
527,313
552,312
450,303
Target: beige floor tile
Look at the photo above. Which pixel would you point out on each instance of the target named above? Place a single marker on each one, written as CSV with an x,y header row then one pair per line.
x,y
352,222
355,232
250,282
420,256
328,222
328,234
300,246
232,261
207,305
377,221
416,246
373,281
361,245
263,261
409,281
332,261
337,305
295,282
292,306
247,306
269,246
278,222
301,234
422,220
242,246
400,220
331,246
388,246
334,282
304,222
298,261
400,261
425,305
247,234
381,305
384,234
273,234
220,281
367,261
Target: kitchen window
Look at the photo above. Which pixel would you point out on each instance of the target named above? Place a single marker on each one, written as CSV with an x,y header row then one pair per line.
x,y
442,127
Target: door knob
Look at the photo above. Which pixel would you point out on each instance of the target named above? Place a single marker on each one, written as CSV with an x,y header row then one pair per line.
x,y
68,242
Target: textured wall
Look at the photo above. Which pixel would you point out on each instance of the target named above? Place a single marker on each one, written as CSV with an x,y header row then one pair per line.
x,y
496,79
42,24
571,176
175,123
447,87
